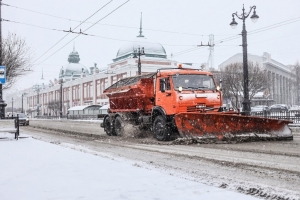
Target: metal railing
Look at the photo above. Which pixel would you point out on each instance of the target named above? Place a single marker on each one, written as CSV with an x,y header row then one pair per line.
x,y
83,117
51,117
292,115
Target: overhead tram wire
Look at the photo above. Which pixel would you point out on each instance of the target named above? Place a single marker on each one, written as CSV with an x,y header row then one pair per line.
x,y
249,33
71,31
84,31
108,38
166,31
36,26
296,18
176,54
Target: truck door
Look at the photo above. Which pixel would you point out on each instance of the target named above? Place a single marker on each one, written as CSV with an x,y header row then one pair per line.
x,y
164,95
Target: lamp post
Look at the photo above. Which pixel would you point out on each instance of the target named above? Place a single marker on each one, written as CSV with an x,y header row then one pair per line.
x,y
37,89
60,100
233,24
23,94
12,107
2,103
136,54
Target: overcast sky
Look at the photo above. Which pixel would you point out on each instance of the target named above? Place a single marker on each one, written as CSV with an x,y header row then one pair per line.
x,y
178,25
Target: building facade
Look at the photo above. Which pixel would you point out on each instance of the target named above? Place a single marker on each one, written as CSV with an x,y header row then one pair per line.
x,y
81,86
282,89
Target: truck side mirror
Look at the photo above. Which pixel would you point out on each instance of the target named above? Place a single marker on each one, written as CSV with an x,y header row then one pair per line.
x,y
219,88
162,85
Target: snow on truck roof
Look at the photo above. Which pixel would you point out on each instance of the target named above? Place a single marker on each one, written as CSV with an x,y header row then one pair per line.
x,y
130,80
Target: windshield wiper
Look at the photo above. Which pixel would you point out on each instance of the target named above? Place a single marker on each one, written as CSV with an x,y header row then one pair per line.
x,y
198,88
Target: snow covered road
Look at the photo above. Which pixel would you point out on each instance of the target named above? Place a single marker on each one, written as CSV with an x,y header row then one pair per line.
x,y
269,170
33,169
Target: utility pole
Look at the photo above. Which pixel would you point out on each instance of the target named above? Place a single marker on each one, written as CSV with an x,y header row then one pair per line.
x,y
61,94
12,107
23,94
22,104
2,103
37,89
211,52
38,102
206,45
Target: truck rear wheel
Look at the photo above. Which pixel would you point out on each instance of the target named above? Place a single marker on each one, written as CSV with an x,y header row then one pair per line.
x,y
118,126
107,127
160,129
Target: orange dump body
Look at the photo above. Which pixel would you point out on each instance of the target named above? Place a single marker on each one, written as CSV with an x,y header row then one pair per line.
x,y
134,97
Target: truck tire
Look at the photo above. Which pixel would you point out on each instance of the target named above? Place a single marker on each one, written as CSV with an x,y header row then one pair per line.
x,y
160,129
118,126
107,127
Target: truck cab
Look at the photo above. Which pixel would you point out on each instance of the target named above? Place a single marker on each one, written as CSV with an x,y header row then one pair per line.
x,y
187,91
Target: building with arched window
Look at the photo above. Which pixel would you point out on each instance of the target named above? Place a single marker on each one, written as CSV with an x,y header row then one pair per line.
x,y
82,86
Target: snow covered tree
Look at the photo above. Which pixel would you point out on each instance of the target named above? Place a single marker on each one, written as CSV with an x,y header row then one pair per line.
x,y
233,82
53,106
296,71
16,56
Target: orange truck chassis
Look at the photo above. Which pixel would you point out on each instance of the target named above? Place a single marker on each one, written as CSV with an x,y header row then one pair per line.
x,y
182,103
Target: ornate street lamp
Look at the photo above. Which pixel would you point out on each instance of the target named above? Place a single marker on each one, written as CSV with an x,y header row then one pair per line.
x,y
136,54
233,24
37,89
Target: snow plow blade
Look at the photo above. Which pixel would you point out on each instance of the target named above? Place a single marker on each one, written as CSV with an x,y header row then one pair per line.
x,y
231,126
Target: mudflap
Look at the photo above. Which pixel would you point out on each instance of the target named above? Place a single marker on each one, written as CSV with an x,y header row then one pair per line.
x,y
227,126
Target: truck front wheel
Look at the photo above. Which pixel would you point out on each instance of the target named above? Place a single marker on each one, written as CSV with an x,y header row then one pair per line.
x,y
160,129
119,126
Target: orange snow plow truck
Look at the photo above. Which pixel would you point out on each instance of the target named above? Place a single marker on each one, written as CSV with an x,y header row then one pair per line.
x,y
182,103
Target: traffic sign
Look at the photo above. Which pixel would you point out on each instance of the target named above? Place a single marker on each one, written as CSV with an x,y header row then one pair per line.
x,y
2,74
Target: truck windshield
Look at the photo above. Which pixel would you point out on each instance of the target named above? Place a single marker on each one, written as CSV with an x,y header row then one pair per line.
x,y
193,82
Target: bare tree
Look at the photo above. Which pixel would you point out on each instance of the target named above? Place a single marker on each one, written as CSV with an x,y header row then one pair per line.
x,y
16,57
54,106
233,79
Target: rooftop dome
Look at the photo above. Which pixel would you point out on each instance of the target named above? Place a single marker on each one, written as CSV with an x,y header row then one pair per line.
x,y
151,48
74,67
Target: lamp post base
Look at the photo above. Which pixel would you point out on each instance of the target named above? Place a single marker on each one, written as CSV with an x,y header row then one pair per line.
x,y
2,108
246,107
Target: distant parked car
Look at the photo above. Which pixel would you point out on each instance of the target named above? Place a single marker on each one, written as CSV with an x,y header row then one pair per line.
x,y
294,108
260,109
279,108
23,119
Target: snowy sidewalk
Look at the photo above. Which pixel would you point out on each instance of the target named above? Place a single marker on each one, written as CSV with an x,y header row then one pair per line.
x,y
32,169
